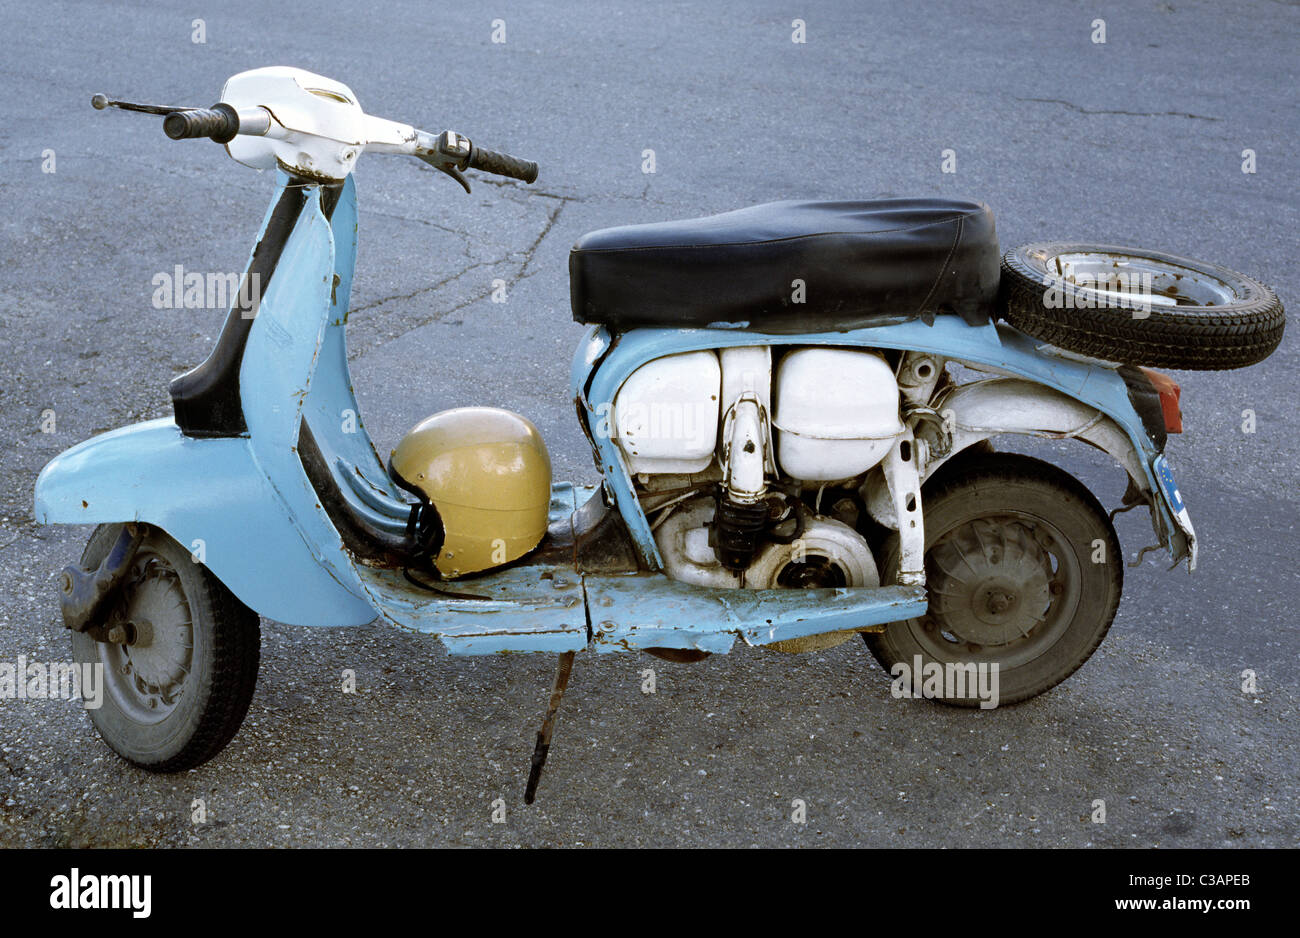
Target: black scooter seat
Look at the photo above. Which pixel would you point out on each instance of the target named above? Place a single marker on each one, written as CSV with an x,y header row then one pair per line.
x,y
858,264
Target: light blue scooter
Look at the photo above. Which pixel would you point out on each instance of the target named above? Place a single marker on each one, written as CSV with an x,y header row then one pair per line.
x,y
264,496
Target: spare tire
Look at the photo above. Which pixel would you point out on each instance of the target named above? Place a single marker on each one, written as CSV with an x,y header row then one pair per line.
x,y
1139,307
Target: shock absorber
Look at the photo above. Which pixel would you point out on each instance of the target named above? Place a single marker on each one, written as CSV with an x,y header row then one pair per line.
x,y
742,512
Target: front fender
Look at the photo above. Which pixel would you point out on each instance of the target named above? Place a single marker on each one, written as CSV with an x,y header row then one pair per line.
x,y
211,496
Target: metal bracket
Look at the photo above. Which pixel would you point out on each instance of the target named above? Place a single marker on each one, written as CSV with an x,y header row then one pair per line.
x,y
85,595
920,418
904,484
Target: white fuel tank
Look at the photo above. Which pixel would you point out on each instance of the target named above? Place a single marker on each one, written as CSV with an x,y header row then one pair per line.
x,y
836,413
665,416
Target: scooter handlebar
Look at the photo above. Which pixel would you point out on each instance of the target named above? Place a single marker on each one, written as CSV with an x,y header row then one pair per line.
x,y
449,151
502,164
219,122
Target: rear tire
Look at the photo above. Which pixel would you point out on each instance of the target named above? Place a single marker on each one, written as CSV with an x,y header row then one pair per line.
x,y
1010,543
177,693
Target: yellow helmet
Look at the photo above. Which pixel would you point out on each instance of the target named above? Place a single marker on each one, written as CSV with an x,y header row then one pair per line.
x,y
487,476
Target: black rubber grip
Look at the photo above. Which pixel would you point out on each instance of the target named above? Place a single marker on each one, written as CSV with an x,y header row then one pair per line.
x,y
502,164
219,122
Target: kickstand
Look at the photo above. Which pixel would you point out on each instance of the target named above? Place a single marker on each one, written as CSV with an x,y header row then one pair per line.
x,y
548,726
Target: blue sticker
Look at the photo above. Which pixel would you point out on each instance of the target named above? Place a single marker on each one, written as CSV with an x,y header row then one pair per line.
x,y
1166,477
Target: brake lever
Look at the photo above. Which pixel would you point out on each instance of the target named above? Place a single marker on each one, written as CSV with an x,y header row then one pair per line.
x,y
448,152
101,101
451,171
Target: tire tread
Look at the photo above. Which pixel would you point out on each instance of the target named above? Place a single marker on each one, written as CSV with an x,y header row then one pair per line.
x,y
993,467
1181,338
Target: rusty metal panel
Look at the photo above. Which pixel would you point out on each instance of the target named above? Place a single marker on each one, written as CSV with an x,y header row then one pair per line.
x,y
527,607
650,610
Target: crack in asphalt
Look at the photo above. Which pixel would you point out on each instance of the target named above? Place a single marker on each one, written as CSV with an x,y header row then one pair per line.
x,y
416,220
551,219
509,185
1083,110
417,292
359,344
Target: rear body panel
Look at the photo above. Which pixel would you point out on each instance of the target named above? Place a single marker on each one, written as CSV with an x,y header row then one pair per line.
x,y
604,362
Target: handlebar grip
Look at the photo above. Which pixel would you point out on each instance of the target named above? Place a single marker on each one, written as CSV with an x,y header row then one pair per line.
x,y
502,164
219,122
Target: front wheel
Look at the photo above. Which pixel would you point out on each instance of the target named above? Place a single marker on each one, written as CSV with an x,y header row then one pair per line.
x,y
1023,571
177,687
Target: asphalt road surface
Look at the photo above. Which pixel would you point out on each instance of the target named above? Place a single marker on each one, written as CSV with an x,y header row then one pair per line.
x,y
1136,140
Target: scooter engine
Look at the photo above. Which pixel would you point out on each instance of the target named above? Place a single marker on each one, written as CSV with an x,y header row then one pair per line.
x,y
825,553
735,472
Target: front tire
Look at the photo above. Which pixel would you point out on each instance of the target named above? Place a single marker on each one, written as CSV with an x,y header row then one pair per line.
x,y
176,692
1023,570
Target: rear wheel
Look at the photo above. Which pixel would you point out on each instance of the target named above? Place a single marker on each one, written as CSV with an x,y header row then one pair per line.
x,y
177,687
1023,570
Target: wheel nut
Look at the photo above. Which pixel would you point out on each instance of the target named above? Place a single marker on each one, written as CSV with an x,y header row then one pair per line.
x,y
999,601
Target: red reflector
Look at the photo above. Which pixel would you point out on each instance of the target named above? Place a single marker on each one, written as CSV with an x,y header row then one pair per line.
x,y
1169,392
